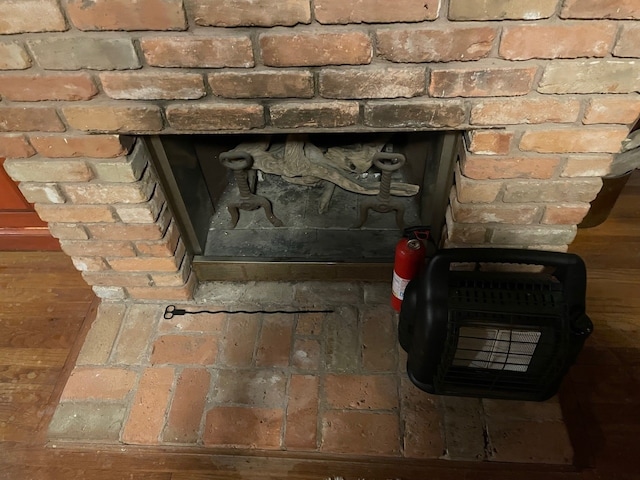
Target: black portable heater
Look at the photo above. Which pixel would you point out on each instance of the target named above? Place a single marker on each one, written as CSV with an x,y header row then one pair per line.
x,y
475,323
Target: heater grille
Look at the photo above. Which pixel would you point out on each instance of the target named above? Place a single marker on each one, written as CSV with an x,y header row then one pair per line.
x,y
495,348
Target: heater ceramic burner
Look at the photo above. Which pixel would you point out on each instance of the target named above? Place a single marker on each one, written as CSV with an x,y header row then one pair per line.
x,y
495,332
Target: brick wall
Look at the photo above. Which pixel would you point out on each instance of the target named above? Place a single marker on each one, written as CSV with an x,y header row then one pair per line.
x,y
545,89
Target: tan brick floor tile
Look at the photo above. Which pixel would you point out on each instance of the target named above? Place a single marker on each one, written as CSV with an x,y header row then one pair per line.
x,y
99,383
239,342
187,408
306,355
133,342
310,324
149,407
364,392
247,427
360,433
100,339
302,413
185,350
256,388
274,342
421,419
379,339
201,322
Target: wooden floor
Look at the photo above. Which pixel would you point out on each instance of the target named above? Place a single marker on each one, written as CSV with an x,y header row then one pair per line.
x,y
44,303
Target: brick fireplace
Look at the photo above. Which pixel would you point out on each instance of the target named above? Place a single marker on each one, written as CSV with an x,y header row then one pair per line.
x,y
544,92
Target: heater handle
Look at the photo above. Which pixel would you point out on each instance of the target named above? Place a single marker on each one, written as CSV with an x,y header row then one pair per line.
x,y
569,268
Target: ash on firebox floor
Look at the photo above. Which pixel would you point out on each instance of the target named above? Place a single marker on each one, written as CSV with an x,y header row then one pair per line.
x,y
306,234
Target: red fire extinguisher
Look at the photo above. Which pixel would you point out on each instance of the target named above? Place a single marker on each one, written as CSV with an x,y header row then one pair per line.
x,y
409,258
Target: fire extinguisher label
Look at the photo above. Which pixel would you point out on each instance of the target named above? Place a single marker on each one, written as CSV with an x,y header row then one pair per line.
x,y
398,286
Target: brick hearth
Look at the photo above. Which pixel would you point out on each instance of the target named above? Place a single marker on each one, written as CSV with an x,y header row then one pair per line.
x,y
545,91
329,383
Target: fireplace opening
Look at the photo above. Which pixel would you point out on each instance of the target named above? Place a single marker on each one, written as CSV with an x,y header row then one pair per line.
x,y
303,206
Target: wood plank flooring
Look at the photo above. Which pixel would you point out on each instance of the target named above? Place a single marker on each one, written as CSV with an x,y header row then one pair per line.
x,y
43,304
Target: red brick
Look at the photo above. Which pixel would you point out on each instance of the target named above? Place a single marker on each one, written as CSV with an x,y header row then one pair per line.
x,y
69,231
239,341
185,350
13,57
375,11
557,41
34,88
93,146
127,15
315,49
274,343
142,264
486,82
500,9
625,110
37,169
152,86
95,248
420,45
15,146
124,232
209,52
187,408
176,279
491,213
490,142
356,83
570,214
360,433
591,76
587,9
480,167
362,392
421,113
167,246
515,111
28,119
262,84
215,116
19,16
149,406
379,340
107,279
99,384
229,426
261,13
78,52
314,114
574,140
302,413
165,294
628,41
114,118
587,165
